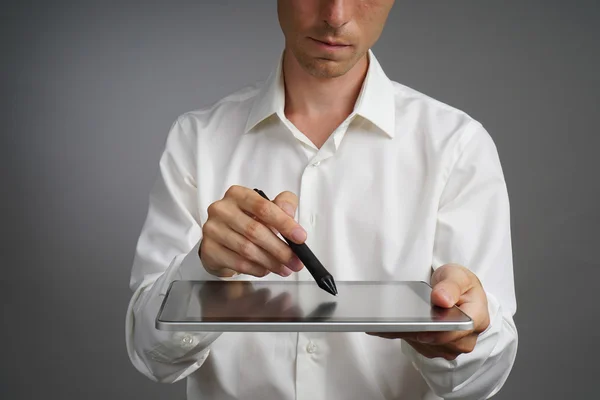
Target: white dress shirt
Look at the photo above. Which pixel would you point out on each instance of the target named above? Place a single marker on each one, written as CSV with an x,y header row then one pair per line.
x,y
405,184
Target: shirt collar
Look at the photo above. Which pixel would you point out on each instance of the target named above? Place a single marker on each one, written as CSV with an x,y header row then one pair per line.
x,y
375,101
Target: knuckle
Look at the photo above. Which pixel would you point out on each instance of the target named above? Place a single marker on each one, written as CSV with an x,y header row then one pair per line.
x,y
262,210
215,208
289,196
465,347
252,230
246,249
283,254
443,339
206,247
214,271
233,191
207,250
263,273
242,265
465,278
224,273
449,357
208,229
484,325
444,268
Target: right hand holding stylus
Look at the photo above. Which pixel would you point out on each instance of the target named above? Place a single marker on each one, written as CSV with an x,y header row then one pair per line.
x,y
238,235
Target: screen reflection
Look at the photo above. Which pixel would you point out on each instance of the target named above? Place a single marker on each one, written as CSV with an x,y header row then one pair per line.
x,y
241,301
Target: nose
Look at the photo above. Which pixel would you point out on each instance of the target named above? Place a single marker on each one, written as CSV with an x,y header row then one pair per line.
x,y
337,13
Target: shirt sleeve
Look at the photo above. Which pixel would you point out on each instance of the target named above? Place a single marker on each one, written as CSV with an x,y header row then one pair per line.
x,y
167,250
473,229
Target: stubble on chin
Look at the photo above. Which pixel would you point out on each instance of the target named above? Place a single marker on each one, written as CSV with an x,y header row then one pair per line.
x,y
323,68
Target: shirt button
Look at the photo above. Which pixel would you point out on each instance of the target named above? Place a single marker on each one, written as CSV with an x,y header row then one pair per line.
x,y
311,347
316,164
312,219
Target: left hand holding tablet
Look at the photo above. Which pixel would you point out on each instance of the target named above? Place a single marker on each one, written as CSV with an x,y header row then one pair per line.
x,y
452,285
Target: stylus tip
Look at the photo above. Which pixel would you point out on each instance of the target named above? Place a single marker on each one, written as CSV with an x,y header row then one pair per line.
x,y
328,284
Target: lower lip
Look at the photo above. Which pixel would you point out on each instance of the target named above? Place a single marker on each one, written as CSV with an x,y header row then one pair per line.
x,y
329,47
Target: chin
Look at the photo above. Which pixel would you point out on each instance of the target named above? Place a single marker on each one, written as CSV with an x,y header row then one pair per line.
x,y
320,68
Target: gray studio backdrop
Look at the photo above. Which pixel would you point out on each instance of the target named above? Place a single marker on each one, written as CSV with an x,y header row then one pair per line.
x,y
90,88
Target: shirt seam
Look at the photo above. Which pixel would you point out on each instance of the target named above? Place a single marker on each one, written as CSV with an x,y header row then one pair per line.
x,y
465,143
253,91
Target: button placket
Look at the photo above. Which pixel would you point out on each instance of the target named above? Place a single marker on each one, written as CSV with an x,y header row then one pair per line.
x,y
307,200
310,379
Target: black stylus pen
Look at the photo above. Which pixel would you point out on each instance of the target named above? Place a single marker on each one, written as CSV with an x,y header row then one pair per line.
x,y
311,262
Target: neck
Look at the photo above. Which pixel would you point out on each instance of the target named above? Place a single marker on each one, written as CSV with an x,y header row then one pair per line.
x,y
312,97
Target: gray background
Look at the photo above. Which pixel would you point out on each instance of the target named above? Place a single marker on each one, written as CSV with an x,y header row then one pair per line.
x,y
90,88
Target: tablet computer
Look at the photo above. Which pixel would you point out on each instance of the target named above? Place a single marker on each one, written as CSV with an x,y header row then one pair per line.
x,y
292,306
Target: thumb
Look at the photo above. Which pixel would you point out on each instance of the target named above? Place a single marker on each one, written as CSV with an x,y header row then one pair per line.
x,y
450,282
288,202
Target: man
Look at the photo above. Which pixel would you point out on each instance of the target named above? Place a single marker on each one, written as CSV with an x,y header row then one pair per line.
x,y
381,181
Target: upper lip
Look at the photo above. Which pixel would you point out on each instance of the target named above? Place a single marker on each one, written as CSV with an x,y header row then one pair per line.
x,y
332,42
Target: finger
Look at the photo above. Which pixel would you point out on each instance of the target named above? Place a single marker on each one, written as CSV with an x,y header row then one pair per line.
x,y
394,335
432,351
272,215
440,338
219,259
270,227
449,282
432,338
237,243
448,351
385,335
262,236
476,307
231,215
397,335
211,264
288,202
227,210
462,346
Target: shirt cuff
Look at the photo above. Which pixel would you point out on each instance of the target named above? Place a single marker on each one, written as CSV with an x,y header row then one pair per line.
x,y
162,354
461,378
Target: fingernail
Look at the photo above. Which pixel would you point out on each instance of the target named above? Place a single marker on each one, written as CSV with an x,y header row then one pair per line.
x,y
299,234
289,209
285,272
295,264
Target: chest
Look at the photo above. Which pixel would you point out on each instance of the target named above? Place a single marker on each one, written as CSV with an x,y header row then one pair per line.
x,y
369,208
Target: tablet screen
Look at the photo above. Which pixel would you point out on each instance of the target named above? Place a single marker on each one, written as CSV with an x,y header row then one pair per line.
x,y
275,301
